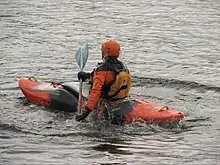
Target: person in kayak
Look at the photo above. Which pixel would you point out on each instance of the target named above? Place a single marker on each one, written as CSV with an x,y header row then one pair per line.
x,y
110,81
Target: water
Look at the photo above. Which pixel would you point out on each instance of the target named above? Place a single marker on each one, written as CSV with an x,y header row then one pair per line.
x,y
172,50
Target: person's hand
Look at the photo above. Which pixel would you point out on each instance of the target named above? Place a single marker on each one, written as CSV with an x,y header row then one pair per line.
x,y
83,115
83,75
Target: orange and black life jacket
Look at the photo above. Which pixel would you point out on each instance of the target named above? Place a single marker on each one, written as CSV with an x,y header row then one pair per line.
x,y
111,80
119,86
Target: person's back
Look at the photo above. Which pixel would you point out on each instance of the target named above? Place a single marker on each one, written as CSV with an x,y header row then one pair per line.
x,y
110,81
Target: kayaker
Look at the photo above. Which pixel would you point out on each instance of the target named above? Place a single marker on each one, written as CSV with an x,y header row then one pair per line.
x,y
110,81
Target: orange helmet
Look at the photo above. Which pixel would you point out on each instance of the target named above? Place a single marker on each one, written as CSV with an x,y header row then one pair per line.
x,y
110,48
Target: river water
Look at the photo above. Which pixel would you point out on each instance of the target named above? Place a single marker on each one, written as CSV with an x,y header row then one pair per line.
x,y
172,50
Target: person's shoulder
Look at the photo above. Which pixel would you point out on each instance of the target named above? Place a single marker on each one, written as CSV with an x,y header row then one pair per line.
x,y
120,62
123,64
102,66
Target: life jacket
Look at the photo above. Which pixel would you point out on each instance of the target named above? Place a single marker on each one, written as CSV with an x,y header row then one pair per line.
x,y
120,85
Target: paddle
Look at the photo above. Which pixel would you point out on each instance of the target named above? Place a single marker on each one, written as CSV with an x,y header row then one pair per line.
x,y
81,59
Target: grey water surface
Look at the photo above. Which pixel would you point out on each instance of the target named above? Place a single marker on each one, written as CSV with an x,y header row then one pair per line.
x,y
172,50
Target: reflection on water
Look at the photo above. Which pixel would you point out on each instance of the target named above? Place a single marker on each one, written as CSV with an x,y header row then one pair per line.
x,y
111,148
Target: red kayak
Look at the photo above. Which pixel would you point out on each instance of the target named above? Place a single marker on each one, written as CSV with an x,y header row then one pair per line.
x,y
65,97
